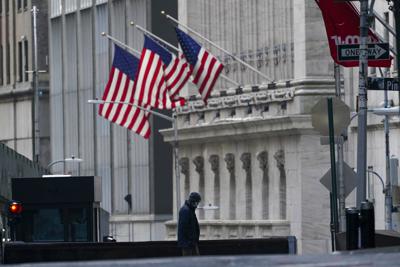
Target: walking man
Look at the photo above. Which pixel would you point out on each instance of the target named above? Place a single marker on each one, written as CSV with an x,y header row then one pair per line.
x,y
188,226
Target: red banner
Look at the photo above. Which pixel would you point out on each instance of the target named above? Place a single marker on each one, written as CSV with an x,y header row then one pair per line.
x,y
342,23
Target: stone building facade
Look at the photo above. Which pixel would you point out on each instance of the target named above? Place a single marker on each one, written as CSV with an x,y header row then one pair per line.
x,y
252,151
16,83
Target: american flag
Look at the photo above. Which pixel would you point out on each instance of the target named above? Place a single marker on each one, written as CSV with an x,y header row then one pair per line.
x,y
205,67
120,88
160,77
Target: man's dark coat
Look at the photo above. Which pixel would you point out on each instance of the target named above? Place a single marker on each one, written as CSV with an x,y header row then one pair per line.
x,y
188,227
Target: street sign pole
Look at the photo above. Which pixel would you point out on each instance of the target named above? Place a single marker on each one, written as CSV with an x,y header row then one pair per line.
x,y
362,96
339,146
388,184
396,11
333,168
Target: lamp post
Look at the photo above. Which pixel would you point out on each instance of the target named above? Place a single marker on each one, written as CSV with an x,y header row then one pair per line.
x,y
71,159
36,130
174,122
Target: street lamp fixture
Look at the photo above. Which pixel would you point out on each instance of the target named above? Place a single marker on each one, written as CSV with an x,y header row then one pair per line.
x,y
385,111
71,159
370,170
209,206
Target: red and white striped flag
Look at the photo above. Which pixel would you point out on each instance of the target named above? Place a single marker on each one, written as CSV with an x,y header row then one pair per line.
x,y
205,67
161,76
177,75
120,88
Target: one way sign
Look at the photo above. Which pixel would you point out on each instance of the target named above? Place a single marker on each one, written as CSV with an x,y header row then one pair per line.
x,y
351,52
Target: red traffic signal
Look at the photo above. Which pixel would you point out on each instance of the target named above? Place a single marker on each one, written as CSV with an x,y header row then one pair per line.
x,y
14,207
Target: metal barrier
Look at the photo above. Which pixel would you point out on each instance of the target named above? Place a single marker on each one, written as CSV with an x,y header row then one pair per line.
x,y
51,252
360,227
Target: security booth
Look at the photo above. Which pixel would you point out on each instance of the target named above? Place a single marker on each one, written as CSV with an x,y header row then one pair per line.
x,y
59,209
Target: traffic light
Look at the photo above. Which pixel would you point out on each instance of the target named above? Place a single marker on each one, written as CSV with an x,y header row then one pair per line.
x,y
14,211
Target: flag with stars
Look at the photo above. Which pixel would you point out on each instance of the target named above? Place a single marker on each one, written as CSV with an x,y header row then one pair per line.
x,y
205,67
120,88
160,77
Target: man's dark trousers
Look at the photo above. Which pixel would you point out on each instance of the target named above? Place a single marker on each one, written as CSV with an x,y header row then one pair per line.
x,y
191,251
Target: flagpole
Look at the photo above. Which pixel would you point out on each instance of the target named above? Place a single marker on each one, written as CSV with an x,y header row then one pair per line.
x,y
175,48
120,43
177,174
174,121
217,46
98,101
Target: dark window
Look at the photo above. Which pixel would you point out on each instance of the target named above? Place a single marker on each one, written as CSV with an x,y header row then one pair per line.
x,y
1,6
8,66
7,6
25,4
47,225
55,224
26,59
20,62
19,5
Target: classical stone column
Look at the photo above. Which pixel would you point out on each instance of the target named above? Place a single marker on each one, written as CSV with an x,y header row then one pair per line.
x,y
280,163
230,165
262,158
184,163
199,164
311,57
246,165
214,161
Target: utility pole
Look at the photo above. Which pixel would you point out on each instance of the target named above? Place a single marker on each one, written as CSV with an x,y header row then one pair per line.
x,y
388,189
340,159
396,13
388,184
362,100
36,131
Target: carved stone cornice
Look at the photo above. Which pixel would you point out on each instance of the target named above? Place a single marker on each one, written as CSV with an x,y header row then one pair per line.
x,y
214,161
251,96
238,129
199,164
260,94
230,162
